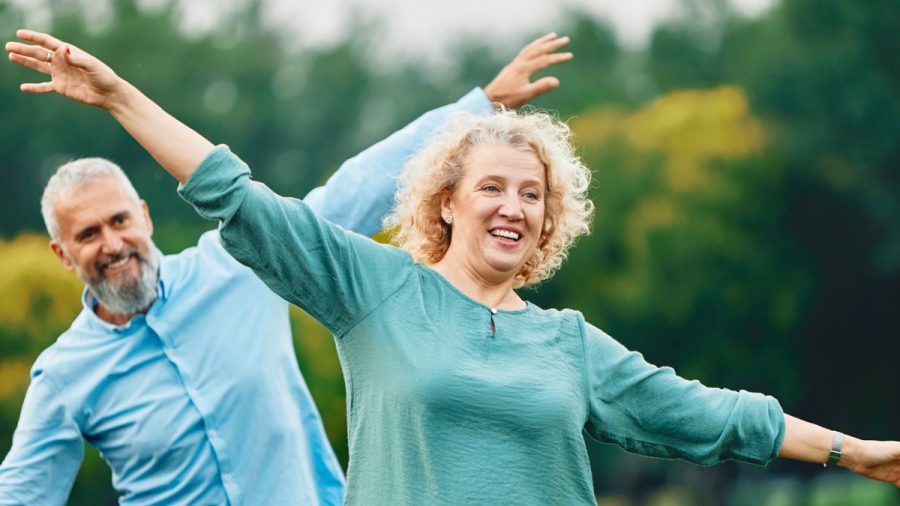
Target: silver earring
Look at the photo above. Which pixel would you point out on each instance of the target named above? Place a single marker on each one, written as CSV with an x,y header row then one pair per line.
x,y
449,219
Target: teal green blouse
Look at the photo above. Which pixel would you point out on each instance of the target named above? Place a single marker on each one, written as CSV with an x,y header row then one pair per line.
x,y
441,408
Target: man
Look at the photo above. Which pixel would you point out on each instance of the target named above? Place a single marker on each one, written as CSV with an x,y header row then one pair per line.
x,y
180,369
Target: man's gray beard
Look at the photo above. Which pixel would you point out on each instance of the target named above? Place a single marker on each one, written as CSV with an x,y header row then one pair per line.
x,y
134,296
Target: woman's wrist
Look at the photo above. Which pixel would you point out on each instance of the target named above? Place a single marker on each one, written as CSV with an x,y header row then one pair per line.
x,y
851,452
121,98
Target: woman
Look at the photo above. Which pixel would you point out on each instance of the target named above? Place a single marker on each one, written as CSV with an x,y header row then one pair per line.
x,y
458,390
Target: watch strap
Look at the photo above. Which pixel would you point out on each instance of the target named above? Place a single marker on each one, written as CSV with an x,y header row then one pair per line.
x,y
834,456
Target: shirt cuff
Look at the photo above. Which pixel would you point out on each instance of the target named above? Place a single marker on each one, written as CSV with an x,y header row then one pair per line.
x,y
476,102
218,186
776,413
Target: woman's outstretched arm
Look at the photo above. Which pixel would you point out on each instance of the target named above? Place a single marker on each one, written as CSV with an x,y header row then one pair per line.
x,y
879,460
652,411
77,75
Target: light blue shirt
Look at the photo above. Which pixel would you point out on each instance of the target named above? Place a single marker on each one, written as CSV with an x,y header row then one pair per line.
x,y
199,401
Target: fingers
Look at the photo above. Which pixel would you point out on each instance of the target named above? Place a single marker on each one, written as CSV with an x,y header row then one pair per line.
x,y
539,87
38,54
37,87
547,44
39,38
41,66
543,39
552,45
35,57
541,53
547,60
512,86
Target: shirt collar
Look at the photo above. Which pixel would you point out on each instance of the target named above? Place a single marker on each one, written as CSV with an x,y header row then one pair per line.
x,y
166,276
163,286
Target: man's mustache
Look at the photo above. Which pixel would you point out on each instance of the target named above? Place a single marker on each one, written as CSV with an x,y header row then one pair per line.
x,y
102,263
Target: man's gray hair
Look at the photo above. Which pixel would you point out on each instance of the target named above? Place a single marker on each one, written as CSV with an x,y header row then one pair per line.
x,y
78,174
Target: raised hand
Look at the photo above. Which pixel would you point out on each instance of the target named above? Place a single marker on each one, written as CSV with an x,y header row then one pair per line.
x,y
73,73
513,87
81,77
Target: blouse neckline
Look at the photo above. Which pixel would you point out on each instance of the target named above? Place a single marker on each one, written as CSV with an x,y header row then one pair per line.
x,y
456,291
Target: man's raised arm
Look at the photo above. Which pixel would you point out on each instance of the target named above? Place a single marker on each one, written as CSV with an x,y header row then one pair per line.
x,y
77,75
361,192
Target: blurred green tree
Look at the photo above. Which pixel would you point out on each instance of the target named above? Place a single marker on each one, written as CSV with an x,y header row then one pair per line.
x,y
748,198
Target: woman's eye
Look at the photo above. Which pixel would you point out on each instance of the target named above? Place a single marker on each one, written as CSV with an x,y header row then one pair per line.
x,y
531,196
490,188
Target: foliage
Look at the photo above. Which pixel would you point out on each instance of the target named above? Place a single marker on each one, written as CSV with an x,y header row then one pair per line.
x,y
675,241
748,201
41,295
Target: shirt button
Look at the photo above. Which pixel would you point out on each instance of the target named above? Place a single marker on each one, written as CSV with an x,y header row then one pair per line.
x,y
213,433
227,478
168,350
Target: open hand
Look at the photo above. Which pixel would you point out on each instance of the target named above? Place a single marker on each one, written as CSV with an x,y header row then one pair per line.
x,y
878,460
513,87
73,73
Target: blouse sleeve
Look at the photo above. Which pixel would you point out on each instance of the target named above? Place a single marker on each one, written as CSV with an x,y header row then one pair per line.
x,y
650,410
337,276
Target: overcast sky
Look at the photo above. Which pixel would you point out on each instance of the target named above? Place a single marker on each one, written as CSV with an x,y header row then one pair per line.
x,y
423,27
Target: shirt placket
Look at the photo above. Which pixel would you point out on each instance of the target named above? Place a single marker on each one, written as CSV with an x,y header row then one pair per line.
x,y
226,465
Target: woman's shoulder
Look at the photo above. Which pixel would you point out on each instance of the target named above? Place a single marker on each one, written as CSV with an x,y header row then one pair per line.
x,y
382,255
568,322
552,313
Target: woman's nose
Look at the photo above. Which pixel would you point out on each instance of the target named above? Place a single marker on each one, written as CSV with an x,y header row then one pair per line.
x,y
511,208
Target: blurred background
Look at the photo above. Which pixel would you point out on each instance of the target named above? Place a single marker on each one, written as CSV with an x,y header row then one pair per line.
x,y
746,157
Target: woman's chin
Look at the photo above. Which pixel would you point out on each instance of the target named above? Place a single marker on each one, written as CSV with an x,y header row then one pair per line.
x,y
505,268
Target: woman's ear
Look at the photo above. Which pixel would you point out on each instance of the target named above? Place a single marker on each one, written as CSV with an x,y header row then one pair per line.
x,y
446,204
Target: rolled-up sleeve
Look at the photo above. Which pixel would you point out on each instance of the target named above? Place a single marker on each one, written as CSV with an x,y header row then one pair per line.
x,y
652,411
218,186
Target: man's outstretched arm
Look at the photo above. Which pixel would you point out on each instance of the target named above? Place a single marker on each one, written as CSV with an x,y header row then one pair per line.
x,y
361,192
46,452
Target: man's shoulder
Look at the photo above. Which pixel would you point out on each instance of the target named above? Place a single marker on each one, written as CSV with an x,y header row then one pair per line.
x,y
68,349
208,253
208,264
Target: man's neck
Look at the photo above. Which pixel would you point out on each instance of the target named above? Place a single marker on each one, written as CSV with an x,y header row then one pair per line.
x,y
105,314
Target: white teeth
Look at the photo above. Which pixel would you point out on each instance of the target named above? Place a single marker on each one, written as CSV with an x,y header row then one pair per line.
x,y
118,263
509,234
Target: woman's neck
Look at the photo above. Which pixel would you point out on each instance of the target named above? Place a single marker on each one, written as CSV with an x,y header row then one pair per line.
x,y
492,293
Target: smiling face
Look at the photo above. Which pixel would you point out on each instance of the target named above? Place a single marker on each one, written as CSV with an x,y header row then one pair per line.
x,y
104,237
498,211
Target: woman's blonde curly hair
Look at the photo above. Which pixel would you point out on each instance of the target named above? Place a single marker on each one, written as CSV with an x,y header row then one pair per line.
x,y
416,218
